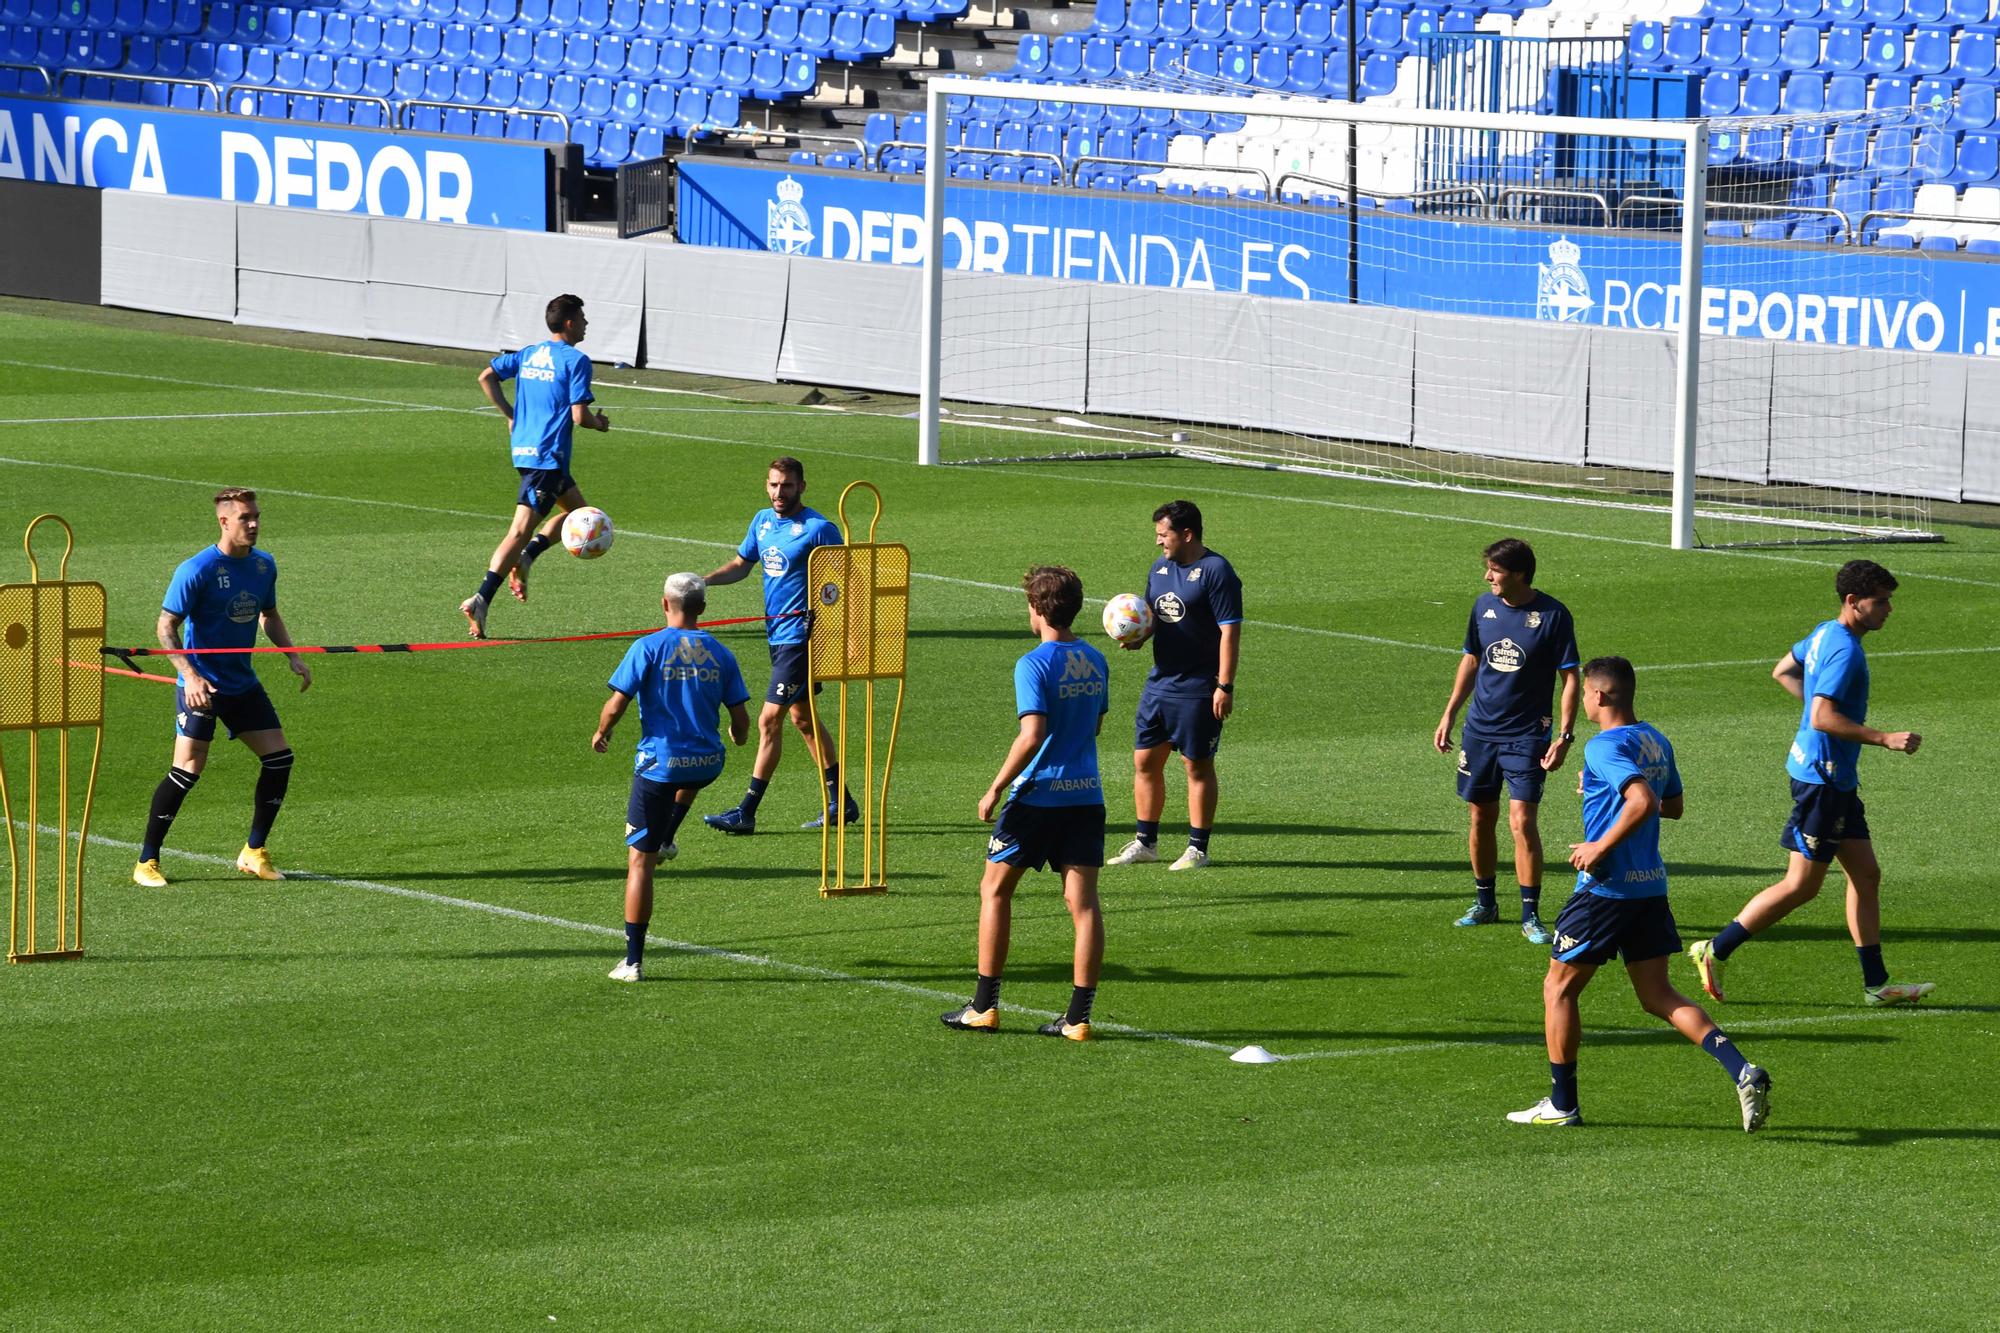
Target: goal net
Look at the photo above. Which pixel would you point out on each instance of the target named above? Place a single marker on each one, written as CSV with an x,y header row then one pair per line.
x,y
1480,301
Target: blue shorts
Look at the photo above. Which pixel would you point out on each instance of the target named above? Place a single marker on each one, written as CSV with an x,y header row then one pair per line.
x,y
788,675
1056,836
541,487
1592,928
646,815
1184,722
1823,817
248,711
1484,764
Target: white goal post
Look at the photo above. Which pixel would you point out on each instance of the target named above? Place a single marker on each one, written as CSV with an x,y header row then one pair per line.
x,y
1729,483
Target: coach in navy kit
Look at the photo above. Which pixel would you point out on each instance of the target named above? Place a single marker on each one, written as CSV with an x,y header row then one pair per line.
x,y
1197,604
1517,642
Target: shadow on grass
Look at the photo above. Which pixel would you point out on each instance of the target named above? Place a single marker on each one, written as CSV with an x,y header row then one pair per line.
x,y
883,970
598,874
1829,1136
1461,1038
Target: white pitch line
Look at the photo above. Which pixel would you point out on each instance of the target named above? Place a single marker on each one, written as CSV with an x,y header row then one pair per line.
x,y
678,946
207,416
925,992
1874,655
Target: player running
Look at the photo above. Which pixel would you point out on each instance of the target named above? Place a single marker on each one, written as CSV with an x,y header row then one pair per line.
x,y
552,398
1619,906
1827,671
1054,799
1517,642
682,677
216,600
1197,603
779,539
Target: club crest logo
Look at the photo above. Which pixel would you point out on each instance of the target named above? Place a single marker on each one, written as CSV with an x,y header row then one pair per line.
x,y
787,227
1194,575
1169,608
1534,620
798,529
1562,293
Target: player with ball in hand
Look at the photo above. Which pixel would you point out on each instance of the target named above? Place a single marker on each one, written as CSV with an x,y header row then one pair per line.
x,y
1197,613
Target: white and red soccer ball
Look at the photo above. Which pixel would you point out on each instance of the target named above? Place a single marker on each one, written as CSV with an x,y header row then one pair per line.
x,y
586,533
1127,618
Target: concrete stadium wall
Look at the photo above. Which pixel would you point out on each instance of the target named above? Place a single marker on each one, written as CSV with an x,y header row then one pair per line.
x,y
1554,393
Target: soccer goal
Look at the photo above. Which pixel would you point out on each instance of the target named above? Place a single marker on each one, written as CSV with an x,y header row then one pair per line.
x,y
1484,301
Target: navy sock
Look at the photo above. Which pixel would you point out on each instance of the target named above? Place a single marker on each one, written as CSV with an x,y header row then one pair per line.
x,y
1562,1085
536,545
754,795
635,942
1198,839
1531,900
985,992
167,798
1146,830
1733,936
1873,972
1487,897
1724,1050
830,778
676,812
489,585
1080,1000
272,781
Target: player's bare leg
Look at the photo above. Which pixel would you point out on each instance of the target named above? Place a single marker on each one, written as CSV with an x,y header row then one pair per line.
x,y
1562,1030
505,555
1149,801
1801,884
1659,998
1482,846
1204,794
1523,822
996,920
1087,960
639,870
550,532
1864,892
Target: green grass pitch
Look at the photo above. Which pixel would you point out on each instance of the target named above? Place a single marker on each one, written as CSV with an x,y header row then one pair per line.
x,y
397,1091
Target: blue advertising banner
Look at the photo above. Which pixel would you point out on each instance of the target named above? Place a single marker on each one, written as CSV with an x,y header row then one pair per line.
x,y
491,182
1847,296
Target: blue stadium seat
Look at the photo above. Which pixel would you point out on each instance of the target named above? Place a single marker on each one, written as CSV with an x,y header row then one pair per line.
x,y
454,43
348,72
1176,18
228,67
1763,145
1847,150
1805,94
395,38
1924,11
674,58
426,38
1684,42
336,33
1378,75
1245,20
646,144
1800,48
1721,92
1272,68
1099,59
656,17
1647,44
1135,58
469,87
1210,20
1973,57
1942,242
642,57
801,72
1762,45
1978,159
1936,155
486,45
550,49
685,21
657,107
623,17
690,109
220,25
610,59
736,67
1142,18
1885,51
409,82
534,91
1316,23
781,26
595,101
1975,109
1889,93
367,36
517,49
1110,17
705,64
1065,57
1892,152
1882,11
579,53
290,72
748,22
1034,54
1930,52
593,15
565,94
1934,96
716,19
1805,146
1846,44
1280,21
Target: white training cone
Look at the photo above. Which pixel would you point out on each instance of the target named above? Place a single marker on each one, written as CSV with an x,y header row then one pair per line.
x,y
1255,1055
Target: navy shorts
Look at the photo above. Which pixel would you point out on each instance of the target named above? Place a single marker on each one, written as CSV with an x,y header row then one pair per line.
x,y
541,487
1823,817
1056,836
1591,929
1184,722
646,816
788,674
248,711
1484,765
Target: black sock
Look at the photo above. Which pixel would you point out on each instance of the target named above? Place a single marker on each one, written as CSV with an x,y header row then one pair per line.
x,y
167,798
1487,898
1198,839
1080,1000
1562,1086
1724,1050
1531,900
489,585
1146,830
635,942
985,993
536,545
1873,971
272,781
1732,938
754,795
831,777
671,825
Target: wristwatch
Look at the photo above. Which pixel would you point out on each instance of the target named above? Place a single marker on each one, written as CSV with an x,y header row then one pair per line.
x,y
1226,689
1565,735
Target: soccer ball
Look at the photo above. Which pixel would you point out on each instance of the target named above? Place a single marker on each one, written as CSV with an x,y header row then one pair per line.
x,y
1127,618
587,533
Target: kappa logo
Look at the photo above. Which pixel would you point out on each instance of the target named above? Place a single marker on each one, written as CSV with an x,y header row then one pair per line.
x,y
1076,665
693,652
1169,608
540,365
691,660
1564,943
1080,676
995,846
787,225
1505,655
1464,764
1562,292
1490,614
